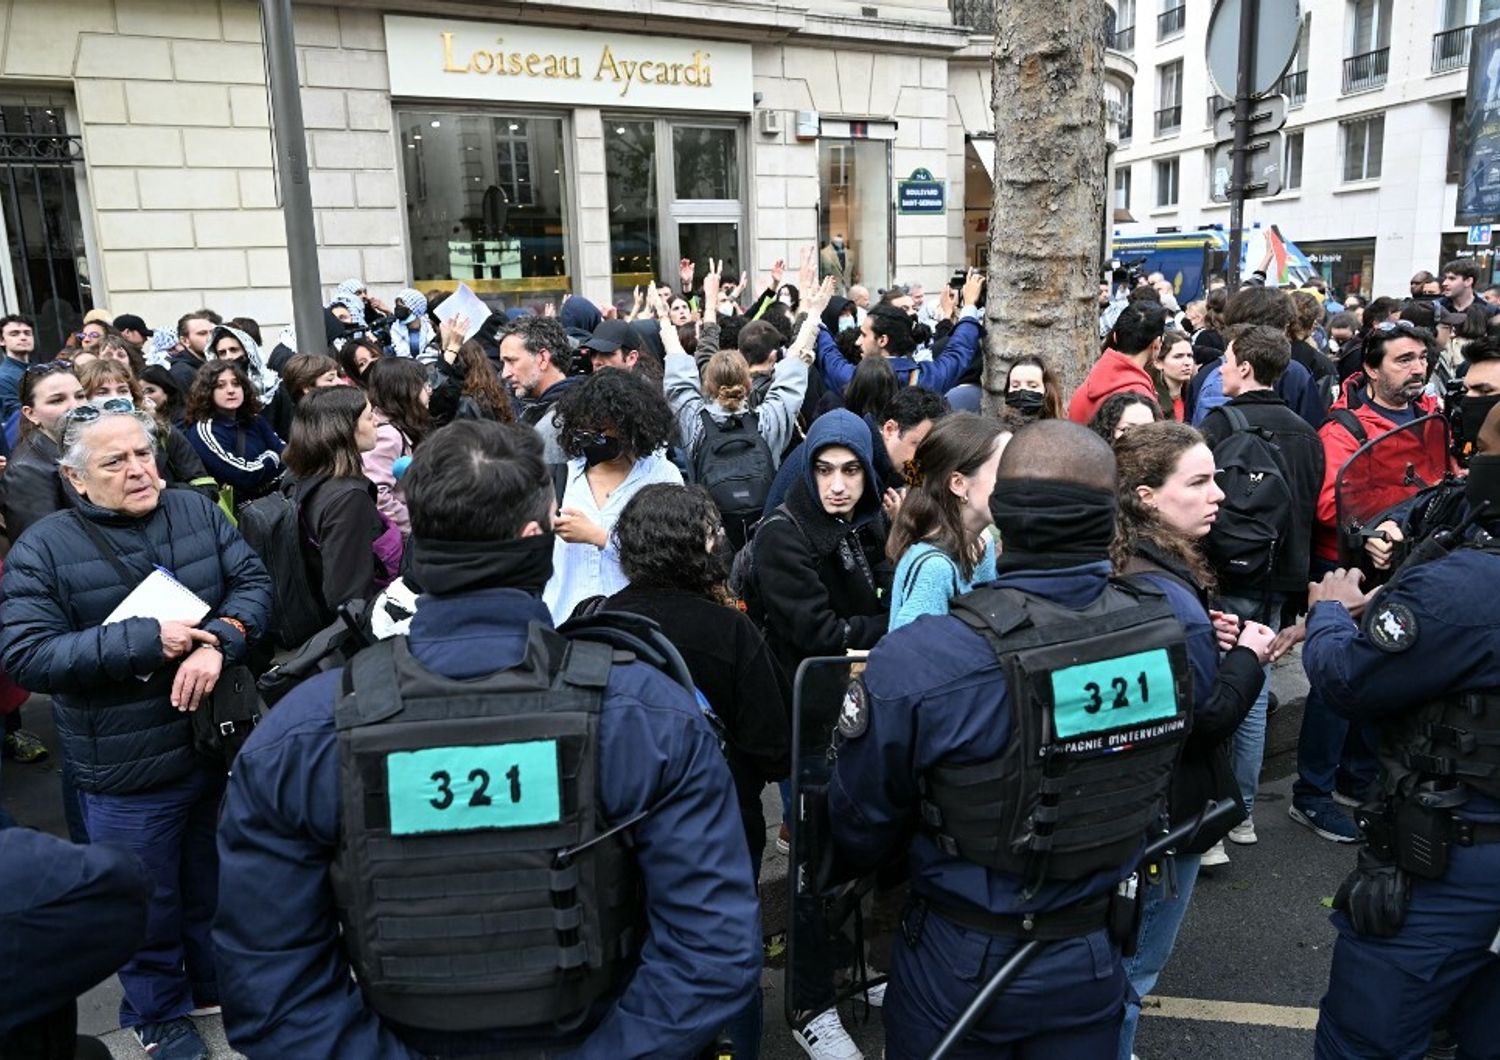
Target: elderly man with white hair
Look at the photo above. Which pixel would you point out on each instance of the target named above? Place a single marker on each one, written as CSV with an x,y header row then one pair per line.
x,y
123,691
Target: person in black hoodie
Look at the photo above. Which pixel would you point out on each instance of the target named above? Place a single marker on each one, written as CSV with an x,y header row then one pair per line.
x,y
351,552
817,593
1253,363
1168,500
673,550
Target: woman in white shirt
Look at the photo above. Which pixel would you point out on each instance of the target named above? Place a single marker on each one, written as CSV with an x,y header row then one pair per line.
x,y
613,427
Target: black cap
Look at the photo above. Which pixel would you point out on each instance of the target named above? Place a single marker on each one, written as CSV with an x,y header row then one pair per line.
x,y
131,322
612,335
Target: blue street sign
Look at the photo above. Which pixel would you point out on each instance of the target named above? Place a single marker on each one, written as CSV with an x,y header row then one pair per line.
x,y
921,194
1479,235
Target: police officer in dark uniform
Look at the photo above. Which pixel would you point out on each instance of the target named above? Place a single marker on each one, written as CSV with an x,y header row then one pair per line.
x,y
520,843
1419,919
1023,746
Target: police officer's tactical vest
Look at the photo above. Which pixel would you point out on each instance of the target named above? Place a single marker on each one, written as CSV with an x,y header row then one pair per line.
x,y
1100,706
461,907
1453,738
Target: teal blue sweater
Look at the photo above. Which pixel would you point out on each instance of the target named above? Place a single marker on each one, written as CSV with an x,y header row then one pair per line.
x,y
923,586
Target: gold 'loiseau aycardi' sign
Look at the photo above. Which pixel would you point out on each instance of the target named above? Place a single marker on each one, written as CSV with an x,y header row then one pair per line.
x,y
438,58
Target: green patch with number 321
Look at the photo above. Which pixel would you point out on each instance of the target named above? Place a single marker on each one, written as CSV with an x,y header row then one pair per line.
x,y
464,789
1100,696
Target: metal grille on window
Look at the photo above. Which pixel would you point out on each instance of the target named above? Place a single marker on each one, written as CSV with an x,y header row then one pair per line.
x,y
45,272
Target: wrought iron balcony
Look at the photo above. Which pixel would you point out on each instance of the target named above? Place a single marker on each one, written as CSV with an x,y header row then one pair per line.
x,y
1168,120
1450,49
1124,40
1294,87
1366,71
1171,21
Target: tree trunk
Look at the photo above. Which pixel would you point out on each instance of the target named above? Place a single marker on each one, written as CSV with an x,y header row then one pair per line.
x,y
1048,216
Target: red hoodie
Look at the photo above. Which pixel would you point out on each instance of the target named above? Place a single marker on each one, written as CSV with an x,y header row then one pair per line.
x,y
1113,373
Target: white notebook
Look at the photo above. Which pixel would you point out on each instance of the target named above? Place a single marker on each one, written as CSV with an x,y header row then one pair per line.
x,y
162,597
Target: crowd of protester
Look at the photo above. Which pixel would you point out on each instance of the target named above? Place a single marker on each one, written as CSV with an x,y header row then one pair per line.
x,y
770,478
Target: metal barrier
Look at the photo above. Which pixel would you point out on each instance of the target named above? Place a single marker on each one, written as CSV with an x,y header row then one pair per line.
x,y
840,903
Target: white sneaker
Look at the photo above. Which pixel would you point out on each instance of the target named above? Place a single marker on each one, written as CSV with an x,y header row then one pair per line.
x,y
823,1038
1243,833
1214,855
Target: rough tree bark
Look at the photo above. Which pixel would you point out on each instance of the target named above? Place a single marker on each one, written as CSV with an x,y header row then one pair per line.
x,y
1049,189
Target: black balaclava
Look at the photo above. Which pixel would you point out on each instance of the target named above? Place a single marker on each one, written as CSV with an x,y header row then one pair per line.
x,y
1047,524
443,568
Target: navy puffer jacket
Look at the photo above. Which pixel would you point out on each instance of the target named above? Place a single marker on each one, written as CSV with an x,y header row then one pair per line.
x,y
122,733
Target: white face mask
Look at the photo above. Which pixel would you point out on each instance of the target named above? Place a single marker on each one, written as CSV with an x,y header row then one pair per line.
x,y
786,300
845,323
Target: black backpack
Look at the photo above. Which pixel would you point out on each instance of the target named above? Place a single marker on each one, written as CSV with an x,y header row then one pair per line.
x,y
272,527
1255,517
734,464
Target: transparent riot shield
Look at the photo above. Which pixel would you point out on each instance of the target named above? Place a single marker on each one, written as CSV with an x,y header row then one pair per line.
x,y
1383,472
824,923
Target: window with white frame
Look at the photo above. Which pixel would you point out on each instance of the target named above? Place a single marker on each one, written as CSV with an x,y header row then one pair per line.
x,y
1363,144
1457,13
1370,26
1168,97
1167,171
1292,165
1122,188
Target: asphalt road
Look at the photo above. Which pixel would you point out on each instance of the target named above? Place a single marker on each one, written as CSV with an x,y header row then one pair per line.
x,y
1244,983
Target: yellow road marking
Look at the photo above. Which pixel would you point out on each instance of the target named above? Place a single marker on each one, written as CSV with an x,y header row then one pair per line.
x,y
1188,1008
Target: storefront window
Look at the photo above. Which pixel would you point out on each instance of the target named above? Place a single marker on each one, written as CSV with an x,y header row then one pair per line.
x,y
1347,266
486,205
979,200
854,230
699,180
706,163
1455,245
634,242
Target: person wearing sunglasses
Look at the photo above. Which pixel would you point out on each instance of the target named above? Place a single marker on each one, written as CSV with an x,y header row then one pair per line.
x,y
123,691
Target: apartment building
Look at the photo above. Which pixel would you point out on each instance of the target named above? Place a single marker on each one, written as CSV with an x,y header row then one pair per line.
x,y
1370,169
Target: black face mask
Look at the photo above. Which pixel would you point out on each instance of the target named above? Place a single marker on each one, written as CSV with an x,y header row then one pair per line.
x,y
1026,402
401,311
601,451
1483,484
1472,411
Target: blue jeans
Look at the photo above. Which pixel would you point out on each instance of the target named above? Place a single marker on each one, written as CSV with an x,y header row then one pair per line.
x,y
1332,752
172,830
1161,919
1249,747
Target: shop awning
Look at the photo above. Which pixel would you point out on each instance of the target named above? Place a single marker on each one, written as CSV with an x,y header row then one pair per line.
x,y
983,148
